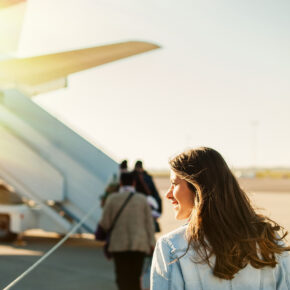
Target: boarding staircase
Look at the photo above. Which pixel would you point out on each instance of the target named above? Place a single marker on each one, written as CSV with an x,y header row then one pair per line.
x,y
49,163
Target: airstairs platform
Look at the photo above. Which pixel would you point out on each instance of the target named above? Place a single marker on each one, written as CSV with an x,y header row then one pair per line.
x,y
46,161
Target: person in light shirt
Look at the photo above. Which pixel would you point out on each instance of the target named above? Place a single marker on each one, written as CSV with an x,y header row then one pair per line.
x,y
225,243
133,235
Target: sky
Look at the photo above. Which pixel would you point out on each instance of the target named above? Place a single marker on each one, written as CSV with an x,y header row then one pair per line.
x,y
220,78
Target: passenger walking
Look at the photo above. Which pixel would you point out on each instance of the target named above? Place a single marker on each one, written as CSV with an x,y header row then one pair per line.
x,y
150,183
146,185
226,244
133,234
141,185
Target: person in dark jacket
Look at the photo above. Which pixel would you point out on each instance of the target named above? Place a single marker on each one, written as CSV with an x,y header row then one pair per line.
x,y
145,184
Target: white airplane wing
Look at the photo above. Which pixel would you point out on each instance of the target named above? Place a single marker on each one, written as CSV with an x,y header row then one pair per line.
x,y
45,69
44,73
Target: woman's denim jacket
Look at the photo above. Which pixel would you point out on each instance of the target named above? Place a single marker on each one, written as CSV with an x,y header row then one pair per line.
x,y
185,274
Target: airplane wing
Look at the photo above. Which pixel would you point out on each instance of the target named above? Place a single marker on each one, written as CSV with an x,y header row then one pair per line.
x,y
34,71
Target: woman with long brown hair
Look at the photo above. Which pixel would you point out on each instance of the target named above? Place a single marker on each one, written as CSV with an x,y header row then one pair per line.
x,y
225,244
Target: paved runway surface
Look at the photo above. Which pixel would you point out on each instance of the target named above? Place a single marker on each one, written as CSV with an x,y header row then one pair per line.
x,y
80,264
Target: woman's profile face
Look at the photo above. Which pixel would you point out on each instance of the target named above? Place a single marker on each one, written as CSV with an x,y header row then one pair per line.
x,y
181,197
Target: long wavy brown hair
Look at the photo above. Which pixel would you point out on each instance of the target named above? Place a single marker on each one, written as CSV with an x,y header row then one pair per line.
x,y
223,222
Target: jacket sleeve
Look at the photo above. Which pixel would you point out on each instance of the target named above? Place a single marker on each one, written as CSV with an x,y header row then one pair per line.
x,y
106,219
161,267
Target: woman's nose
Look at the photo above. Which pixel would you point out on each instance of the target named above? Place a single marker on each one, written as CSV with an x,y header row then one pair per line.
x,y
169,194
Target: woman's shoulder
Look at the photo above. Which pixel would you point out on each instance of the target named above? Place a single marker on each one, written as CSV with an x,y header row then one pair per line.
x,y
175,240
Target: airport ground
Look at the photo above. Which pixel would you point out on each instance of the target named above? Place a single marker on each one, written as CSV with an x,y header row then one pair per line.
x,y
80,264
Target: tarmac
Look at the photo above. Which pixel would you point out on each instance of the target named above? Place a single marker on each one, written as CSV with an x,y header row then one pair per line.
x,y
80,264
